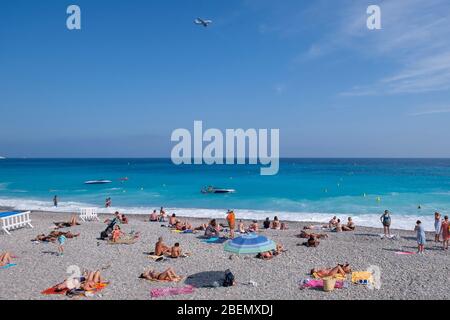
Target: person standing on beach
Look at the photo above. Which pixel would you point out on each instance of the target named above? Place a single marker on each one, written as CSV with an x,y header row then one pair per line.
x,y
437,226
421,237
61,241
162,215
108,202
231,219
386,221
55,201
445,232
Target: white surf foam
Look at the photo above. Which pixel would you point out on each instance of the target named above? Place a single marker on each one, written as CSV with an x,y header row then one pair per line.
x,y
405,222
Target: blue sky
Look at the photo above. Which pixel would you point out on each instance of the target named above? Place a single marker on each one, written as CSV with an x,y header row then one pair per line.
x,y
139,69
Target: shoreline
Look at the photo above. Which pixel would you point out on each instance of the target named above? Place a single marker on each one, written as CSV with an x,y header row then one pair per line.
x,y
371,220
403,277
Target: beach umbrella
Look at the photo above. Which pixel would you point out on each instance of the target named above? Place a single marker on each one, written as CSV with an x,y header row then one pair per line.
x,y
249,244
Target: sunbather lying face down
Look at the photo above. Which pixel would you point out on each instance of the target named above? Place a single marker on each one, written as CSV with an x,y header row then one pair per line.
x,y
305,235
342,269
167,275
53,236
5,259
270,254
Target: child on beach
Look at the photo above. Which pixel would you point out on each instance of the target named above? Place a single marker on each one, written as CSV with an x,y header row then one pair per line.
x,y
437,226
445,232
61,240
116,233
386,221
421,238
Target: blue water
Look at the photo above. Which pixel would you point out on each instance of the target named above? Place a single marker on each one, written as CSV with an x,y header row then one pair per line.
x,y
304,189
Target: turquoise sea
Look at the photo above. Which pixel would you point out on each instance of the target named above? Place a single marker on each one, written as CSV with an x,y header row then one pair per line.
x,y
304,189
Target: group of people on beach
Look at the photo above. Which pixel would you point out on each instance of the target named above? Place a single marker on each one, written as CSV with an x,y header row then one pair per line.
x,y
441,230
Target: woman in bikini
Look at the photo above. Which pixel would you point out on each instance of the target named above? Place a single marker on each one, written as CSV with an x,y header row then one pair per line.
x,y
88,282
276,223
342,269
167,275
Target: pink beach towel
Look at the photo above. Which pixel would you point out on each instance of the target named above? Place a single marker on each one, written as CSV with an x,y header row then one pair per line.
x,y
318,283
161,292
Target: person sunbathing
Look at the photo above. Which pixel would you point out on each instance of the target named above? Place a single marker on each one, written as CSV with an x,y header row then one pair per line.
x,y
161,248
124,219
270,254
73,222
241,227
91,280
182,226
88,282
5,259
167,275
350,226
254,227
175,251
153,216
341,269
202,227
312,242
173,220
305,235
338,227
212,230
116,233
276,223
265,255
53,236
284,226
278,250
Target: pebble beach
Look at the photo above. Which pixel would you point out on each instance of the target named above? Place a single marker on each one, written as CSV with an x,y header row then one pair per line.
x,y
402,276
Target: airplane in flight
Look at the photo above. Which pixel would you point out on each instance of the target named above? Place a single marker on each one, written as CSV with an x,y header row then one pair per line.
x,y
202,22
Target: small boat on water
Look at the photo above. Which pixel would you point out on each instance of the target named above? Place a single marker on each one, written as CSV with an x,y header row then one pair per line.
x,y
97,182
211,189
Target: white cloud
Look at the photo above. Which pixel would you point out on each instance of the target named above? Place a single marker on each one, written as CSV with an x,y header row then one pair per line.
x,y
430,112
415,36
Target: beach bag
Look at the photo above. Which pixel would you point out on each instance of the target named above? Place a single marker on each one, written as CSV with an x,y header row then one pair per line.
x,y
229,278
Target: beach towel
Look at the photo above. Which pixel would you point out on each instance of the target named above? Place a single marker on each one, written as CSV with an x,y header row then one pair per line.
x,y
123,241
7,266
52,290
337,276
130,238
318,283
215,240
176,231
358,276
161,292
